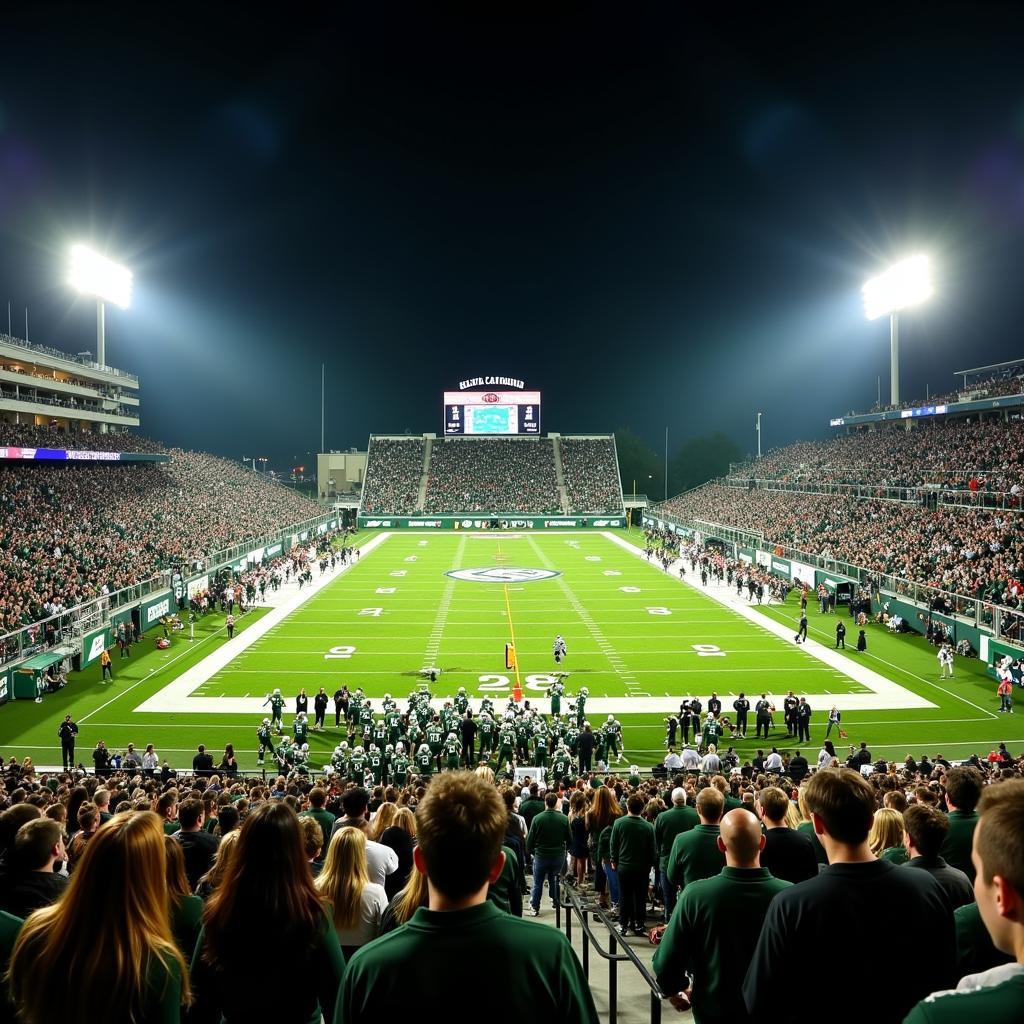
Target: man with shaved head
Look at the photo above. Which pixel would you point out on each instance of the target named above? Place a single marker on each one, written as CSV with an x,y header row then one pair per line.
x,y
715,927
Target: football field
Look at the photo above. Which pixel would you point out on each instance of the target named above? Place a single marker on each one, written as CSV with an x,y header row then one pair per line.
x,y
638,639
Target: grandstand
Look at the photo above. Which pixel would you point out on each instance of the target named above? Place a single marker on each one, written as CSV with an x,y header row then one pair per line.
x,y
41,386
924,509
206,537
77,531
554,475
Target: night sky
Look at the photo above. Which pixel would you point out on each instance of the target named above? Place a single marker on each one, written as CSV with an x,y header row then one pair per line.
x,y
657,220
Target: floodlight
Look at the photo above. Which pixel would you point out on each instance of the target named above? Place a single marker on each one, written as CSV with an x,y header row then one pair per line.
x,y
904,284
94,274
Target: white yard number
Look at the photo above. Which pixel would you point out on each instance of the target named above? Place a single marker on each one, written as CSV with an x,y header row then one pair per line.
x,y
343,651
539,683
398,572
708,651
612,572
375,612
593,558
422,544
658,610
493,683
630,590
385,590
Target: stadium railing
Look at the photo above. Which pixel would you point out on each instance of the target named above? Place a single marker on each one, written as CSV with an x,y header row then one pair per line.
x,y
570,901
9,339
955,497
68,626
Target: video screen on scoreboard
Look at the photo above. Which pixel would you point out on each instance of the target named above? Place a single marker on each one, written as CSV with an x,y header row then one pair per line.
x,y
492,412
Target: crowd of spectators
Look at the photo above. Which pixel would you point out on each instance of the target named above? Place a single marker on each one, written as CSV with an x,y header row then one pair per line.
x,y
73,532
393,473
348,864
591,473
25,435
972,552
1008,382
954,455
492,475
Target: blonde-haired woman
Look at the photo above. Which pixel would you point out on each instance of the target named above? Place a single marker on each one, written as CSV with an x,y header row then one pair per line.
x,y
886,836
358,904
207,885
384,818
400,910
112,944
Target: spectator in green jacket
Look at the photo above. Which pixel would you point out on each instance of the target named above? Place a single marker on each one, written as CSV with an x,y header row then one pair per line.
x,y
715,927
634,853
963,791
679,818
695,853
547,842
460,827
997,995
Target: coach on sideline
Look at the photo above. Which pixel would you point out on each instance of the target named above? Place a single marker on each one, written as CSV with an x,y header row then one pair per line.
x,y
460,829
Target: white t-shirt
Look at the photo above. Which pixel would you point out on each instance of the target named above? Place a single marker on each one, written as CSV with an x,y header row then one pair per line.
x,y
381,861
373,903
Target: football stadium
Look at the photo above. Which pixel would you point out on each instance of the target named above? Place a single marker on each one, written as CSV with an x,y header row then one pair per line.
x,y
458,691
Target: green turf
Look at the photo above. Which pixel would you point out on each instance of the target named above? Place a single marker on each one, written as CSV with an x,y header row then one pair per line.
x,y
617,648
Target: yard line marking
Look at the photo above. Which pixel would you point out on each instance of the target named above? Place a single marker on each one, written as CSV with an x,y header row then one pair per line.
x,y
437,631
617,664
176,695
883,689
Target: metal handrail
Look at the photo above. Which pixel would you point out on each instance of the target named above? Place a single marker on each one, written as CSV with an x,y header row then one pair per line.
x,y
574,907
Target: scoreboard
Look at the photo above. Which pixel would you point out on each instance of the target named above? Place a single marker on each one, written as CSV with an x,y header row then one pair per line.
x,y
492,412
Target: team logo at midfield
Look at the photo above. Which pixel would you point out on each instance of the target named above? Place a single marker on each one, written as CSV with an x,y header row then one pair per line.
x,y
503,574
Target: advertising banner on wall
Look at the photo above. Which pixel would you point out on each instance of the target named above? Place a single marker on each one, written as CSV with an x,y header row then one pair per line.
x,y
154,608
94,644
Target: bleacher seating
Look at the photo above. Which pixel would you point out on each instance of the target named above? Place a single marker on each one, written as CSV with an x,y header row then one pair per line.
x,y
393,472
949,454
492,475
591,475
69,533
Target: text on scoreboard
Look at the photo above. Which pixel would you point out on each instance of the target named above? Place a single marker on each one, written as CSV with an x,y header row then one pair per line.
x,y
492,412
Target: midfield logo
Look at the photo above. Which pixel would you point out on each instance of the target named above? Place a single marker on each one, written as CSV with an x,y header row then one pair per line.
x,y
503,574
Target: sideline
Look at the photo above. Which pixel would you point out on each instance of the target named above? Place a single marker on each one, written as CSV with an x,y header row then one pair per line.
x,y
885,694
177,695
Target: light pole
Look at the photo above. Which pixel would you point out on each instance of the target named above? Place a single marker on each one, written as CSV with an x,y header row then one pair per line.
x,y
904,284
759,435
95,275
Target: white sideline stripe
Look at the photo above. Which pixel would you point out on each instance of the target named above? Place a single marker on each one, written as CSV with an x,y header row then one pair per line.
x,y
177,695
885,693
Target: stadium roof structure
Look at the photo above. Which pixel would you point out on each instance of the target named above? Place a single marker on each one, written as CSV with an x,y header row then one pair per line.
x,y
1001,403
985,369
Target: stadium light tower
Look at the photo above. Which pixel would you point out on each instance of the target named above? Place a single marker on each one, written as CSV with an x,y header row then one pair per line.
x,y
904,284
93,274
